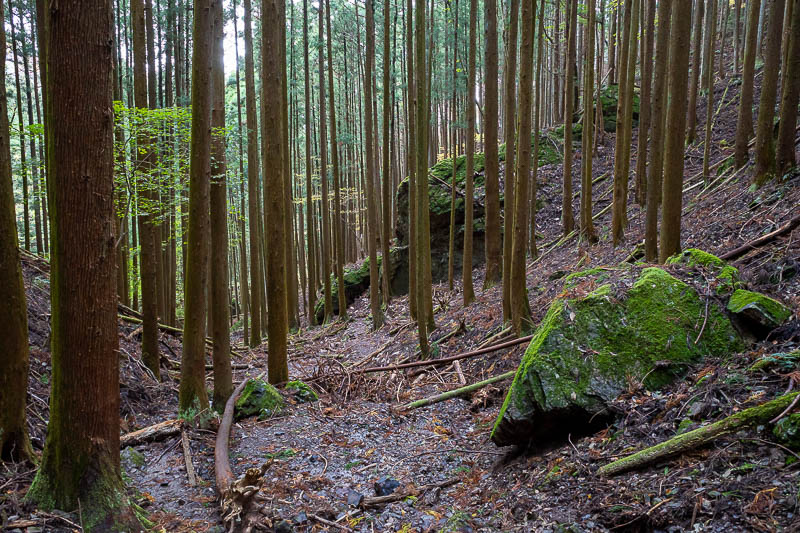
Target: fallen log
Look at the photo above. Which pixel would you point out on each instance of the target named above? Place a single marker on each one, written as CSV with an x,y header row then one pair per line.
x,y
236,497
450,359
685,442
761,241
458,392
153,433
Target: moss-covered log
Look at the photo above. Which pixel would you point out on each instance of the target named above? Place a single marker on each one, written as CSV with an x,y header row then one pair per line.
x,y
700,436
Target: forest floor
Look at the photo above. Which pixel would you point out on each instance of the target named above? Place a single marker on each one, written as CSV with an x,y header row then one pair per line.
x,y
328,454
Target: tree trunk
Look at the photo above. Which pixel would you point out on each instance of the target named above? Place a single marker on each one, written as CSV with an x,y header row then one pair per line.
x,y
619,217
14,442
323,176
656,162
466,270
272,72
790,97
256,277
520,308
509,129
146,220
80,466
568,218
386,202
337,200
709,72
587,227
697,41
744,122
494,256
645,103
765,141
220,304
676,117
312,265
192,394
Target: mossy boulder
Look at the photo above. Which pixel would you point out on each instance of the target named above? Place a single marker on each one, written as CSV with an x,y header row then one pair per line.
x,y
301,392
356,280
258,398
760,312
610,328
787,431
609,98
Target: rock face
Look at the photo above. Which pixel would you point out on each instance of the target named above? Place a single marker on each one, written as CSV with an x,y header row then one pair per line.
x,y
610,328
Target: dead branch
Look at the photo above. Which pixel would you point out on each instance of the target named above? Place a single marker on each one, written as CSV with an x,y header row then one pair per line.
x,y
450,359
761,241
187,458
153,433
459,391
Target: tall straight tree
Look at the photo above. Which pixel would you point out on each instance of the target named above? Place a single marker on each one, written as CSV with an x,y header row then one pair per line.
x,y
146,219
494,270
14,442
273,21
192,393
386,200
424,299
337,200
520,307
709,82
411,154
622,151
256,278
676,118
372,210
656,162
312,264
789,97
80,468
509,130
744,122
567,217
323,173
587,228
765,140
537,114
469,293
645,111
696,59
220,297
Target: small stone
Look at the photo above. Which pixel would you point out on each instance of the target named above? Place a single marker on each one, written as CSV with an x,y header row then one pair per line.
x,y
385,486
301,517
283,527
354,498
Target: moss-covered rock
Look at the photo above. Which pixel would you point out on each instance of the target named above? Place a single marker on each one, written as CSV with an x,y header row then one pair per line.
x,y
762,312
301,392
604,332
356,280
726,276
258,398
609,97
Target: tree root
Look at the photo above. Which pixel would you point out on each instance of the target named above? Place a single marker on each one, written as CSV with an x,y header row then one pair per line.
x,y
685,442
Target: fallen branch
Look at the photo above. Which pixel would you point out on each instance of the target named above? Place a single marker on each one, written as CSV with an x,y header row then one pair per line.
x,y
450,359
153,433
328,523
761,241
699,437
459,391
187,458
375,501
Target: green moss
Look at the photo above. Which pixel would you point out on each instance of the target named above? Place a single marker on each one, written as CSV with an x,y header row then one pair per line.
x,y
769,312
302,392
134,457
572,280
258,398
693,256
587,348
787,431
